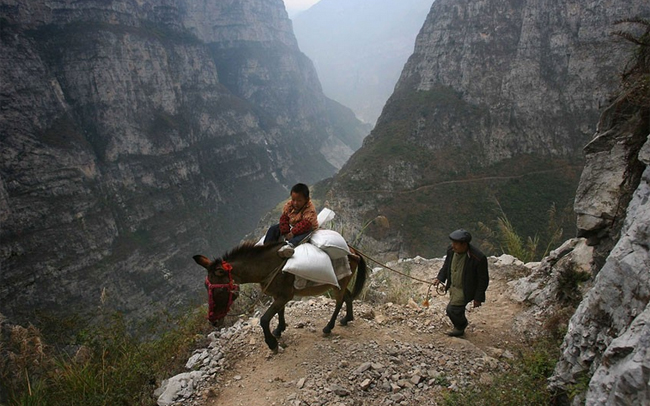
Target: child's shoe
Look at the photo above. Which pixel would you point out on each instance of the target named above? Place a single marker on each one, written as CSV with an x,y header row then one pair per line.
x,y
286,251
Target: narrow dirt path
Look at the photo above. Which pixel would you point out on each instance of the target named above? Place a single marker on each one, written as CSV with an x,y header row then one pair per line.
x,y
470,180
391,354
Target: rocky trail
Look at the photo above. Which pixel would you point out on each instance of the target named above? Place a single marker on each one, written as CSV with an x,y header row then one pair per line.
x,y
391,354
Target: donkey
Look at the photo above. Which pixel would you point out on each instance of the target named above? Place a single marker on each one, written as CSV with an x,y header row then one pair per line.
x,y
250,263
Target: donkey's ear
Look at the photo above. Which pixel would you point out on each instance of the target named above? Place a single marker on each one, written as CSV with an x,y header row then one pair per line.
x,y
201,260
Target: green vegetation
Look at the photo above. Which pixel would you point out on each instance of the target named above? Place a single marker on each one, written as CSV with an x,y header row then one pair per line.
x,y
535,203
579,388
442,189
506,240
111,366
399,140
569,286
524,383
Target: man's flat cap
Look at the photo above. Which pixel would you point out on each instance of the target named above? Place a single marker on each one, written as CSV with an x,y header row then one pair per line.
x,y
460,235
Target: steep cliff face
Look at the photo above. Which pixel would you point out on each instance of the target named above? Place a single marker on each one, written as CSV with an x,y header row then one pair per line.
x,y
495,103
604,357
608,338
136,134
605,351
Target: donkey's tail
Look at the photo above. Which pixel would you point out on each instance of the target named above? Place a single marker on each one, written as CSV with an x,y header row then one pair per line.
x,y
361,274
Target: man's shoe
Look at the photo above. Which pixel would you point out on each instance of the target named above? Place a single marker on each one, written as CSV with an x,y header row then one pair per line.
x,y
455,333
286,251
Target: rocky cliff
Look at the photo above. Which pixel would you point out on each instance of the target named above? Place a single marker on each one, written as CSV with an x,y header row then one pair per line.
x,y
134,134
604,357
605,351
489,116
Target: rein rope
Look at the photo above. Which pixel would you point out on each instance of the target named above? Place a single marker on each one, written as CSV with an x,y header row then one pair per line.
x,y
440,288
267,281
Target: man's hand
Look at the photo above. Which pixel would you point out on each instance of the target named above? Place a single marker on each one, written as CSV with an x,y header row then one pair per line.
x,y
477,303
288,236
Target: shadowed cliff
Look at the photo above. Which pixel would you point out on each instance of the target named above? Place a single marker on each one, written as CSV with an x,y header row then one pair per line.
x,y
135,134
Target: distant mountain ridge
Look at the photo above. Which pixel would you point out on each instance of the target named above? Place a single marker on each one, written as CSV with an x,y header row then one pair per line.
x,y
491,113
359,47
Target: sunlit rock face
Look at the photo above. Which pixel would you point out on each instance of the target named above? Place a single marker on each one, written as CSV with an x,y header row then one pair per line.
x,y
135,134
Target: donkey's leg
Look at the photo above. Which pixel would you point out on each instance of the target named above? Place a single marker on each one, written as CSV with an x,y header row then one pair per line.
x,y
349,316
265,321
339,303
281,324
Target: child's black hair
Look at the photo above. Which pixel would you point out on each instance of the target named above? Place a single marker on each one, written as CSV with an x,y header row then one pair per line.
x,y
301,188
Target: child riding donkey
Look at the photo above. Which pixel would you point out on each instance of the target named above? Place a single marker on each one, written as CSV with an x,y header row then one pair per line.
x,y
298,219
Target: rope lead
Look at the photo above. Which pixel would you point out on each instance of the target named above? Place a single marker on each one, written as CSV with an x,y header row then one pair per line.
x,y
440,288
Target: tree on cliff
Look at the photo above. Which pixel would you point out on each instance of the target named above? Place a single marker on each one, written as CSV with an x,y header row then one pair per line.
x,y
636,77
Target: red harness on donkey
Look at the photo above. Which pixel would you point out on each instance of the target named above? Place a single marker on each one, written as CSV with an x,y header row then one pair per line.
x,y
232,288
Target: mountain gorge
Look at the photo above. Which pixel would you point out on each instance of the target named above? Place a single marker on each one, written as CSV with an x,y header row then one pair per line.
x,y
359,47
489,118
135,134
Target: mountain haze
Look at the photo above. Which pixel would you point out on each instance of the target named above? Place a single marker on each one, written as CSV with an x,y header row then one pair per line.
x,y
359,47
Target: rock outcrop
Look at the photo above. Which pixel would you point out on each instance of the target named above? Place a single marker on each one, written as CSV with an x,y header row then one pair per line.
x,y
137,133
553,289
608,337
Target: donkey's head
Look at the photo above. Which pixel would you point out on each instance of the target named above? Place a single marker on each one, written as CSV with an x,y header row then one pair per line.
x,y
222,290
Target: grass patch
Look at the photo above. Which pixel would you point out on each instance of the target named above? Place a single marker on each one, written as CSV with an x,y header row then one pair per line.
x,y
569,283
388,287
105,365
504,238
524,383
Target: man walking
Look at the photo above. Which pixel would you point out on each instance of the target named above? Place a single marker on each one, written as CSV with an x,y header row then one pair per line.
x,y
465,274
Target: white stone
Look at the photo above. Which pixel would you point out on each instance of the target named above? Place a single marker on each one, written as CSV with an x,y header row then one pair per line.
x,y
506,259
181,385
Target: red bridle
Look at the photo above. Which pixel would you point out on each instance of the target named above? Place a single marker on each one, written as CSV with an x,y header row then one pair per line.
x,y
232,288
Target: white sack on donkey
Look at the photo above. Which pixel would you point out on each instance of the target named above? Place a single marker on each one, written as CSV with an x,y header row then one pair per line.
x,y
312,260
331,242
311,263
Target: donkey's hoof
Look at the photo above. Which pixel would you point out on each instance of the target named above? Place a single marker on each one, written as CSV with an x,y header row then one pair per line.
x,y
327,330
278,350
344,321
272,343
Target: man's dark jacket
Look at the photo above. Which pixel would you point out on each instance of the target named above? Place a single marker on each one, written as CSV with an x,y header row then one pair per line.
x,y
475,274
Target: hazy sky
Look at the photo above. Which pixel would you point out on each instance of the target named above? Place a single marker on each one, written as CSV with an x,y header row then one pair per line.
x,y
296,6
